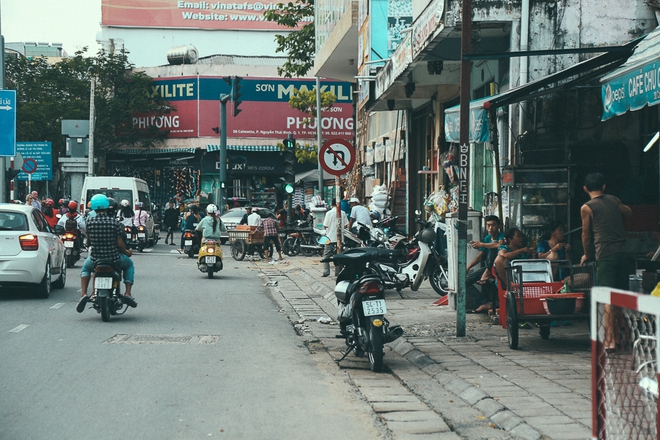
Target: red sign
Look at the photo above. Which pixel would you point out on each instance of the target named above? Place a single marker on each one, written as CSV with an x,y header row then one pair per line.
x,y
217,14
337,156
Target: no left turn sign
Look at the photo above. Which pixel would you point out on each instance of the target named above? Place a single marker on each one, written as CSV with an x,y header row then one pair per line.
x,y
337,156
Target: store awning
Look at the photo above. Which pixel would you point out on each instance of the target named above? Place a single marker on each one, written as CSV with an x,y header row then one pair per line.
x,y
216,147
154,151
637,82
586,70
312,176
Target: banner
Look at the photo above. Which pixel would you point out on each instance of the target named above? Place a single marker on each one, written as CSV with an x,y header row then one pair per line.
x,y
222,14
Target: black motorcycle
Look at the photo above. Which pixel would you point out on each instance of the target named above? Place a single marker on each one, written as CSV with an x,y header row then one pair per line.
x,y
71,241
191,242
107,298
361,304
136,237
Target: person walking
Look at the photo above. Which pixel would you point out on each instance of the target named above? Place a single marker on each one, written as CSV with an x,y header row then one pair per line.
x,y
271,233
330,225
35,200
171,220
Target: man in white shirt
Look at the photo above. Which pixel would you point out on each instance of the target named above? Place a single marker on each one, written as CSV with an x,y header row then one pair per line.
x,y
360,221
254,219
330,224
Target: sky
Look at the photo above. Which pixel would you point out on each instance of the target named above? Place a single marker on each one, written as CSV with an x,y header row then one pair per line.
x,y
74,23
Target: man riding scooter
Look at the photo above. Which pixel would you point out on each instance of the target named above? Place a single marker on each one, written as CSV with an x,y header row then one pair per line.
x,y
106,238
75,223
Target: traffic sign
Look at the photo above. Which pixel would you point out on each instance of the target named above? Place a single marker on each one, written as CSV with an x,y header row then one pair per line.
x,y
29,166
7,122
337,156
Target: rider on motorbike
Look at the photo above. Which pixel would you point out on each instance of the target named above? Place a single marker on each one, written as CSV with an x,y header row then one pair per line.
x,y
106,238
140,219
211,226
74,222
189,222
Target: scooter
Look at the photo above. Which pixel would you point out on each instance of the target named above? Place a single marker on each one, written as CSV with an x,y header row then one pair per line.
x,y
361,304
71,247
190,242
107,299
209,259
136,237
410,271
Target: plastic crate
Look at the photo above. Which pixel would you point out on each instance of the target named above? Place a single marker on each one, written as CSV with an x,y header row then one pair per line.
x,y
532,304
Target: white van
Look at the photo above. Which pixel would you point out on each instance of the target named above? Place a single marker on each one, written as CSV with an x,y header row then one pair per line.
x,y
121,188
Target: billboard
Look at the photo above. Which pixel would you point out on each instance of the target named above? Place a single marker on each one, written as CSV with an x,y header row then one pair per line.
x,y
265,109
217,14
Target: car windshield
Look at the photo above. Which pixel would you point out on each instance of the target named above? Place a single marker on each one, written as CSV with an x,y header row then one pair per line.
x,y
13,221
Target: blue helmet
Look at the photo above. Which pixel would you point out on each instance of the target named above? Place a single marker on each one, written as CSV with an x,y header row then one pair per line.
x,y
99,201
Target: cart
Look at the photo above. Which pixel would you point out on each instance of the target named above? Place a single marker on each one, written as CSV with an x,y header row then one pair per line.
x,y
246,240
533,296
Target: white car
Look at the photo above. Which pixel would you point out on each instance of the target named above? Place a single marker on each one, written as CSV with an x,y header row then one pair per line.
x,y
31,253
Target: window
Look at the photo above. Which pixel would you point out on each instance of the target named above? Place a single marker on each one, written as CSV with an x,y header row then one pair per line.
x,y
13,221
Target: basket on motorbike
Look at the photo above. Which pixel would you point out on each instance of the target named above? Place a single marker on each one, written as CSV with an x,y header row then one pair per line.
x,y
532,295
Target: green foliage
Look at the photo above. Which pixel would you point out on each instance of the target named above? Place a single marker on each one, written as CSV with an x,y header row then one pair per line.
x,y
48,93
299,45
304,153
305,101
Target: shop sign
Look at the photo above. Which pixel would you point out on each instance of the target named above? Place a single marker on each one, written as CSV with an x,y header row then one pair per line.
x,y
401,59
427,26
632,91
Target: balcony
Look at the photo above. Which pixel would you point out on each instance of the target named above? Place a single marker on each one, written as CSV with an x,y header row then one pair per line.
x,y
336,39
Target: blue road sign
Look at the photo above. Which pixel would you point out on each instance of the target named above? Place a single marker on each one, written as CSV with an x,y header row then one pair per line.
x,y
7,122
37,160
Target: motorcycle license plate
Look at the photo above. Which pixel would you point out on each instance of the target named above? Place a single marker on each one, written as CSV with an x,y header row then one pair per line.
x,y
68,244
103,283
141,235
374,307
187,243
210,260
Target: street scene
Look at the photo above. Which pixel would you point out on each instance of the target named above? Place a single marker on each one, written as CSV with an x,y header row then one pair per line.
x,y
392,219
250,354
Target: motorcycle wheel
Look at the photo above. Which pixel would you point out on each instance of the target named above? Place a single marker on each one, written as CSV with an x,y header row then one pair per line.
x,y
210,273
141,247
289,247
70,260
439,281
376,337
104,304
238,250
310,241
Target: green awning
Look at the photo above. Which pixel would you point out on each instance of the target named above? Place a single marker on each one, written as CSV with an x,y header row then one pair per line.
x,y
153,151
244,147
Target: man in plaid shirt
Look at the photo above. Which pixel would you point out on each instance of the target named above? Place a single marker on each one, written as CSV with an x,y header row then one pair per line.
x,y
271,232
106,238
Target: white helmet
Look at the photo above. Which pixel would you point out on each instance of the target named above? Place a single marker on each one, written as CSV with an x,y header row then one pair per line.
x,y
124,203
211,209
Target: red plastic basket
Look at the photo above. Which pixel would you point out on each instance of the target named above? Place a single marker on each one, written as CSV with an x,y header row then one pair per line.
x,y
532,304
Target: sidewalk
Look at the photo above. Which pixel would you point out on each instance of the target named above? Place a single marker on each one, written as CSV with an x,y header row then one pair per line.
x,y
442,386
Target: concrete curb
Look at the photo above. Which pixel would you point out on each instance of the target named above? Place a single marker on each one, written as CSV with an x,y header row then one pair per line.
x,y
473,396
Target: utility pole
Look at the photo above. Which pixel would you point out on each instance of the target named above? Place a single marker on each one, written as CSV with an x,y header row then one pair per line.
x,y
319,134
3,162
223,154
464,164
90,166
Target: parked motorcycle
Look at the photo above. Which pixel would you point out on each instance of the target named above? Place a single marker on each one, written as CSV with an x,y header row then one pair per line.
x,y
361,304
136,237
191,241
209,259
436,267
304,239
106,297
71,247
409,271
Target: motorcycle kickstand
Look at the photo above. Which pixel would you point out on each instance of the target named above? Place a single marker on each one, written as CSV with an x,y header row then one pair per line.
x,y
400,294
346,353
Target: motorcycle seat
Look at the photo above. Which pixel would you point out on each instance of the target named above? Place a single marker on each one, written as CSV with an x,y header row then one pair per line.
x,y
365,255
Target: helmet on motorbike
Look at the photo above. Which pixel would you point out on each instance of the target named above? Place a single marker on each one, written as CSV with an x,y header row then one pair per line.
x,y
124,203
112,203
140,205
73,206
427,236
49,202
99,201
211,209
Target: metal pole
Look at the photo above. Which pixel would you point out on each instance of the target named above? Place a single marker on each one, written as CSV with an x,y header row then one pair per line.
x,y
464,165
319,135
340,227
90,166
3,183
223,153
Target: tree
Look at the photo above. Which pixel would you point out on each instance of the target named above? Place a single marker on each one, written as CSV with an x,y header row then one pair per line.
x,y
48,93
299,45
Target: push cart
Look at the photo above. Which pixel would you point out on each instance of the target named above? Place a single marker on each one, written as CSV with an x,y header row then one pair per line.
x,y
246,240
533,296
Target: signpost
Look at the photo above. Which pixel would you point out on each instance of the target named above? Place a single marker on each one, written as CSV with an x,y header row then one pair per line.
x,y
337,157
7,123
37,161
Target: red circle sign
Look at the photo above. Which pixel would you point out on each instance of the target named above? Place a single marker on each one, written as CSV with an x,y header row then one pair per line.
x,y
337,156
29,166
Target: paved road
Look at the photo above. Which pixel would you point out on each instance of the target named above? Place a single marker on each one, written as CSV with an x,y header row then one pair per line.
x,y
198,358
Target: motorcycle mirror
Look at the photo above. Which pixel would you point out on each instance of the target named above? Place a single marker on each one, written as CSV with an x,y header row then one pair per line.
x,y
418,212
